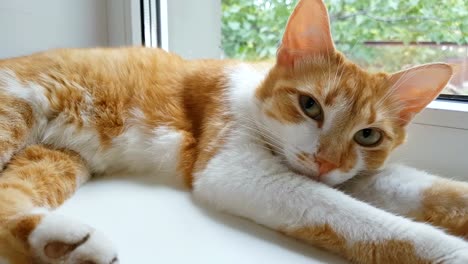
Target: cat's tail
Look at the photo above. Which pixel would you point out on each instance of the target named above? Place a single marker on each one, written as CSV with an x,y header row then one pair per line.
x,y
36,180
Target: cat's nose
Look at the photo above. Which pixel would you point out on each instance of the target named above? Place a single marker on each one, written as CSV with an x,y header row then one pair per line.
x,y
325,165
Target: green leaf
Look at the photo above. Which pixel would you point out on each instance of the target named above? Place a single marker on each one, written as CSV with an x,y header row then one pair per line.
x,y
234,25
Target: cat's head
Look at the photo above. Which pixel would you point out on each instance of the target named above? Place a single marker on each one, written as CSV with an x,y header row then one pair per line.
x,y
328,117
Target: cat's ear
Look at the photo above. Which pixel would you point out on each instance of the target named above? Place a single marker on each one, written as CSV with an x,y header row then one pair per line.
x,y
416,87
307,33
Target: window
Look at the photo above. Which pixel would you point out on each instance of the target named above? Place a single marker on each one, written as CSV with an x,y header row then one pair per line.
x,y
377,34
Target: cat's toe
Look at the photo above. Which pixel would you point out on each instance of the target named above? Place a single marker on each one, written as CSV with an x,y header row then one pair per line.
x,y
60,240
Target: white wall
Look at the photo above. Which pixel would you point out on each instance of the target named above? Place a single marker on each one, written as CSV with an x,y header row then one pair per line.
x,y
194,40
27,26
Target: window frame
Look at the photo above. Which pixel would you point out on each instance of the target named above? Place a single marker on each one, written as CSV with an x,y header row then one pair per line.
x,y
124,22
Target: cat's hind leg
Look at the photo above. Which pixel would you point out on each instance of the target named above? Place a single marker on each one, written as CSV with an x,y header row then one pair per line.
x,y
415,194
37,180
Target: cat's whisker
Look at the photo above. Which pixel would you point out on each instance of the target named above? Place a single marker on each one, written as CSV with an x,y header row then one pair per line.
x,y
261,133
256,137
265,132
283,150
393,109
328,55
273,136
394,88
263,128
294,148
404,78
291,153
334,79
341,68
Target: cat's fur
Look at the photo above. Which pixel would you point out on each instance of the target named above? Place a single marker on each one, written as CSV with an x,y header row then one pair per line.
x,y
236,134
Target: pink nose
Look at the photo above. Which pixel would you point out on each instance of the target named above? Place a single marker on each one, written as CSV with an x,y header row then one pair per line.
x,y
325,166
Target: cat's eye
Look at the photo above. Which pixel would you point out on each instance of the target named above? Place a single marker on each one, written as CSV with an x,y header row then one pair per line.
x,y
368,137
310,107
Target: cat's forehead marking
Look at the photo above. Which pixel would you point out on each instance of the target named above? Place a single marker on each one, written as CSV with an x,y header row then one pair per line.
x,y
352,102
336,114
372,115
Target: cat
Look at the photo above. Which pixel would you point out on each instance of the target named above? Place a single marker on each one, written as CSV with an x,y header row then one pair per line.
x,y
298,146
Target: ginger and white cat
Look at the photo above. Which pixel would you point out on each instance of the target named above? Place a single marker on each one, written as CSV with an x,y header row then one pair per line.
x,y
277,144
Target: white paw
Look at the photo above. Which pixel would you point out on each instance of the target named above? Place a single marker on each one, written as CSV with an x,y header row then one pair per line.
x,y
58,239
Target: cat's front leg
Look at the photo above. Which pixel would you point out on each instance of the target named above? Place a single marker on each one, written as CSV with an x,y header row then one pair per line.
x,y
250,182
36,180
416,194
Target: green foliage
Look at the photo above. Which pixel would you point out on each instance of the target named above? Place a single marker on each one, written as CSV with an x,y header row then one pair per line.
x,y
252,29
404,20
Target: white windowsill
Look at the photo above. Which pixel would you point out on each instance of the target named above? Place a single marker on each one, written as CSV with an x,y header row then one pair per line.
x,y
448,105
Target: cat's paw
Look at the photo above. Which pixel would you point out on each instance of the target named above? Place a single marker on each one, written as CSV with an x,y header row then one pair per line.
x,y
60,240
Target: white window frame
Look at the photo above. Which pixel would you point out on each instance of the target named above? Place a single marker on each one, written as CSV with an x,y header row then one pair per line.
x,y
445,113
437,138
124,22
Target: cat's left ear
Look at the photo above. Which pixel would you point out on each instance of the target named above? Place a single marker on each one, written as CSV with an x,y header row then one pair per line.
x,y
307,33
416,87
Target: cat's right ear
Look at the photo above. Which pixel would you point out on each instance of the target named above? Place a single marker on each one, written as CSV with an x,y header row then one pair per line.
x,y
307,33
